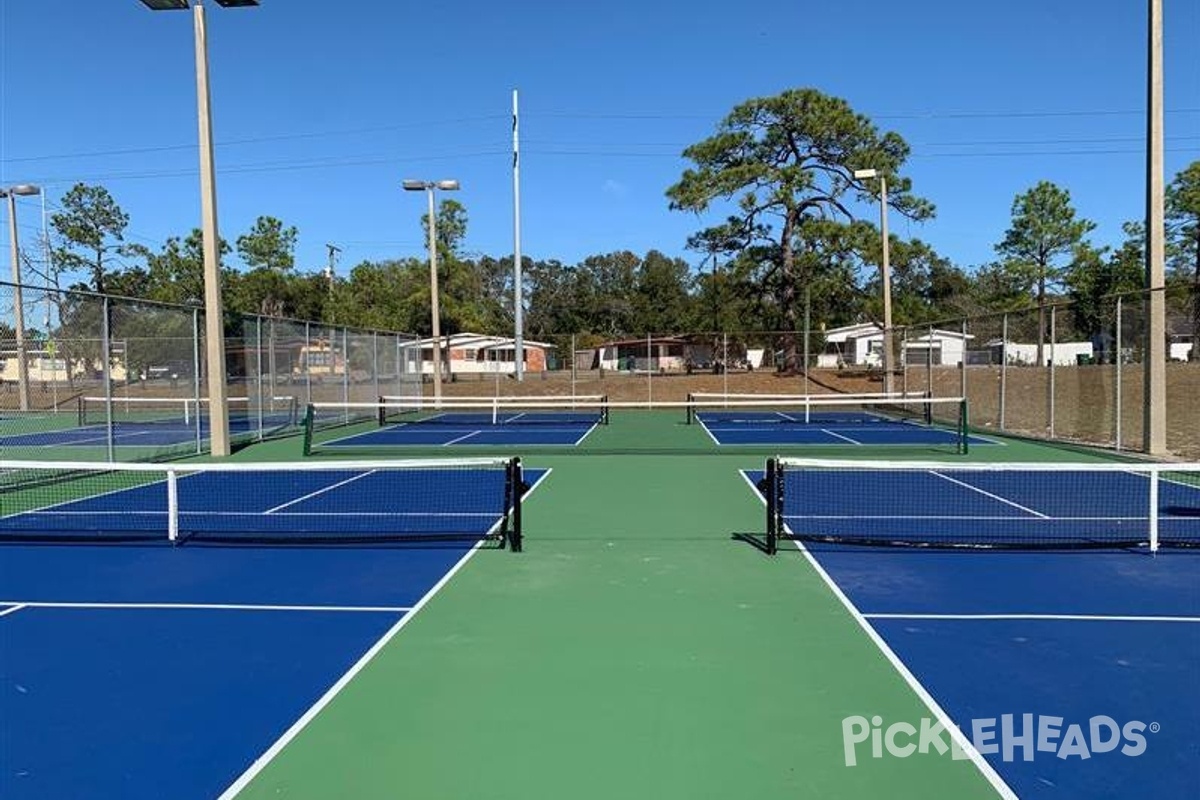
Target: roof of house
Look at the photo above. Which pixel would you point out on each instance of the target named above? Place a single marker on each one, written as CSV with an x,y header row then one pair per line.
x,y
941,334
482,341
849,331
651,339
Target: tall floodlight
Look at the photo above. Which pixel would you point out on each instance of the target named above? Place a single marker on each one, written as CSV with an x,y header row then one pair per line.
x,y
435,313
884,274
214,323
1154,428
518,310
18,299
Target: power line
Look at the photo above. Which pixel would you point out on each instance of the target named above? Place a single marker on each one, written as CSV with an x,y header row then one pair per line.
x,y
890,115
252,140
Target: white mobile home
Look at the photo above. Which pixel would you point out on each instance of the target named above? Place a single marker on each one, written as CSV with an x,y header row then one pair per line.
x,y
852,345
1063,354
937,347
480,354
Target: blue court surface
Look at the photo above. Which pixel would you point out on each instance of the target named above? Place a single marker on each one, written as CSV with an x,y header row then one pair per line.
x,y
134,434
740,427
471,428
142,670
1010,642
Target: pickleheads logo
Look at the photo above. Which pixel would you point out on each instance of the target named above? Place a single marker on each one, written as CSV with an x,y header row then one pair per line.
x,y
1022,736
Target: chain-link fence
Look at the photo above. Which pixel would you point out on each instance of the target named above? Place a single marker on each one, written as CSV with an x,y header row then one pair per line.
x,y
1068,372
92,377
94,368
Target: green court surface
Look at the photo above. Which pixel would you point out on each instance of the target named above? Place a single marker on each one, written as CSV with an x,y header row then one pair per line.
x,y
635,649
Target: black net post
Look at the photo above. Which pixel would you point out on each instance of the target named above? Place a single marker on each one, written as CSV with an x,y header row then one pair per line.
x,y
964,428
516,490
309,422
773,492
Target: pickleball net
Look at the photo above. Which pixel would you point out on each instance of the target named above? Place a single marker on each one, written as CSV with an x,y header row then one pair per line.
x,y
981,506
186,412
351,502
325,422
832,411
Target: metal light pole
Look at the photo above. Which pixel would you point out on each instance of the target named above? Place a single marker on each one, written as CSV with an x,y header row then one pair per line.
x,y
18,300
214,323
434,309
518,301
885,276
1154,427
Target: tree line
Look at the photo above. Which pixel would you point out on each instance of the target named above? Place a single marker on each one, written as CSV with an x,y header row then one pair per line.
x,y
789,251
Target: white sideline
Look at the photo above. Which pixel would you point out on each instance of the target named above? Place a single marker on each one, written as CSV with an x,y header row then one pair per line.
x,y
299,725
1050,617
985,769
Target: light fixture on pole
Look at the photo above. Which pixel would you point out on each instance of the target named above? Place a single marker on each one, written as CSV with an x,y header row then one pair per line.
x,y
884,274
12,193
214,323
434,310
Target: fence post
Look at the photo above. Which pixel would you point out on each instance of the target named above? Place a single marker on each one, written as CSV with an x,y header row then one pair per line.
x,y
1003,366
106,373
929,362
649,373
963,363
307,363
375,364
196,375
270,398
574,366
1118,377
725,364
345,367
1050,382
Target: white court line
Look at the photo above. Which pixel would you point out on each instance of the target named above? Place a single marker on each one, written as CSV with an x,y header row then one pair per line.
x,y
840,436
204,607
299,725
981,517
211,513
709,431
1051,617
985,769
15,608
1004,500
461,438
320,491
586,433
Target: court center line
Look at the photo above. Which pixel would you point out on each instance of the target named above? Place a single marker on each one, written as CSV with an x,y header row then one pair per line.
x,y
12,610
320,491
1050,617
986,493
462,438
986,770
204,607
840,436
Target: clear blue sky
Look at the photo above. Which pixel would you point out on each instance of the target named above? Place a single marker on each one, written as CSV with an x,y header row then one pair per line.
x,y
322,107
